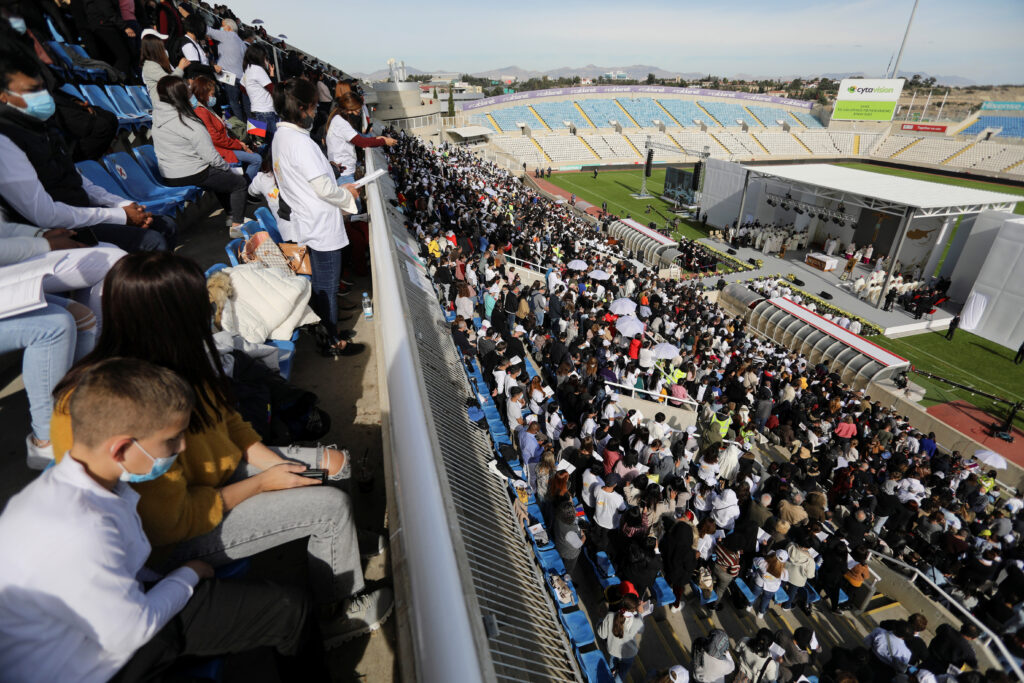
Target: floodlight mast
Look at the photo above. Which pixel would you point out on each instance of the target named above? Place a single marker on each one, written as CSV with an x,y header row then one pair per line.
x,y
650,144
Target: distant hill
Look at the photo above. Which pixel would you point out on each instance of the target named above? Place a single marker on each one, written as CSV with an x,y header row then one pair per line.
x,y
639,72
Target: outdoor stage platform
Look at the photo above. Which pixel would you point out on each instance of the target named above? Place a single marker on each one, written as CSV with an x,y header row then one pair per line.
x,y
895,323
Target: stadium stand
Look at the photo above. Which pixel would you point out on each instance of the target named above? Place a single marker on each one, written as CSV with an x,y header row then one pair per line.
x,y
686,112
565,148
781,143
806,119
991,156
932,150
485,121
509,118
1012,126
640,139
555,114
696,141
727,113
738,143
521,147
893,145
645,111
603,111
770,116
616,145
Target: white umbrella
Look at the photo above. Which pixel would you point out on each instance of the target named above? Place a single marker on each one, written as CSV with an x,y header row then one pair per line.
x,y
991,458
623,307
576,264
599,275
629,326
257,21
282,36
665,351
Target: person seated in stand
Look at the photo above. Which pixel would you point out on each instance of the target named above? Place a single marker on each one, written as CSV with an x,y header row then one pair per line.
x,y
39,183
78,603
186,154
231,149
229,496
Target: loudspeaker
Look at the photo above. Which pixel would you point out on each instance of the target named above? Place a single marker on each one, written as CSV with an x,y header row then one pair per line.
x,y
732,252
650,161
752,261
825,295
698,168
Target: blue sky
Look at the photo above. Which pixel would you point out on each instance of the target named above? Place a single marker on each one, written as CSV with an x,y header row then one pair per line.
x,y
979,40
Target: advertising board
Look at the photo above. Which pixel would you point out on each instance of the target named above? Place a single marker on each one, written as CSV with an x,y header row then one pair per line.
x,y
867,99
924,127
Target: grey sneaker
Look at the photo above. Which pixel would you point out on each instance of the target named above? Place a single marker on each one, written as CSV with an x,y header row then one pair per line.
x,y
234,232
39,457
363,614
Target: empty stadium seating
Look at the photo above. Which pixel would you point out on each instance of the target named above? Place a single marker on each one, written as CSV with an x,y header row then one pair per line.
x,y
696,141
522,148
892,145
645,111
482,120
613,146
1012,126
603,111
685,112
640,139
727,113
932,150
739,143
769,116
781,143
555,114
508,118
565,148
991,156
807,119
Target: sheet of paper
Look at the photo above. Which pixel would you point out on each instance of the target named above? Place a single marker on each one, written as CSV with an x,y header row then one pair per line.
x,y
369,178
22,284
565,466
776,652
226,77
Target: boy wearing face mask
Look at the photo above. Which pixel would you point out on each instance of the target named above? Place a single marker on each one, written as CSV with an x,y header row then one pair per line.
x,y
79,604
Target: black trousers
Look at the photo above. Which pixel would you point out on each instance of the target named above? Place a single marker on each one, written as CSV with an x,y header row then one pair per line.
x,y
232,616
224,183
111,45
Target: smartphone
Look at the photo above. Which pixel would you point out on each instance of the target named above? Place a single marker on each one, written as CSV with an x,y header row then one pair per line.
x,y
86,236
314,474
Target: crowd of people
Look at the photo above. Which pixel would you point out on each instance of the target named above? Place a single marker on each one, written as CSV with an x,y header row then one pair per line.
x,y
154,483
703,505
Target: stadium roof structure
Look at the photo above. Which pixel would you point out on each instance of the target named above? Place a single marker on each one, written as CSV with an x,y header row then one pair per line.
x,y
886,193
471,131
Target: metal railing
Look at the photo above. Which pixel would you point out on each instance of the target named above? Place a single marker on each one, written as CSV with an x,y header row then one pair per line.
x,y
987,638
660,398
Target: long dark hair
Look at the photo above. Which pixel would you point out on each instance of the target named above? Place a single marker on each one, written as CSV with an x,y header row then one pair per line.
x,y
255,54
156,307
630,603
153,50
292,98
174,91
345,103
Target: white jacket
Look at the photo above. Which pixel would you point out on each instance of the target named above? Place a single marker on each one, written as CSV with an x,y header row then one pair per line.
x,y
267,303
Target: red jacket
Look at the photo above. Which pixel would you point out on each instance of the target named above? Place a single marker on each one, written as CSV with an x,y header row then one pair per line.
x,y
222,140
634,349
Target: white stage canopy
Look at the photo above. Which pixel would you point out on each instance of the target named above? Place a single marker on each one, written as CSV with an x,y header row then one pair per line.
x,y
471,132
886,193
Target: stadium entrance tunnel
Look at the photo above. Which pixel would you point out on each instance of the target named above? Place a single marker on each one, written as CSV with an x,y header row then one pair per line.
x,y
857,361
648,249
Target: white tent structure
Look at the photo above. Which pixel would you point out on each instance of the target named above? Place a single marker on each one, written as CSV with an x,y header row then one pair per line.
x,y
907,219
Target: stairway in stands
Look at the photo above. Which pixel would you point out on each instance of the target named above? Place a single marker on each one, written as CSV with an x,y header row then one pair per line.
x,y
708,114
754,116
583,114
539,118
539,148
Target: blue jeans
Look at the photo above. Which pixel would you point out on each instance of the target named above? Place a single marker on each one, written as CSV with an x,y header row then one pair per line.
x,y
159,237
234,95
793,592
251,162
325,272
622,666
48,336
762,598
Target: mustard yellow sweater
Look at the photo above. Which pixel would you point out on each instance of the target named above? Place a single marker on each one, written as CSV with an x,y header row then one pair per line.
x,y
184,502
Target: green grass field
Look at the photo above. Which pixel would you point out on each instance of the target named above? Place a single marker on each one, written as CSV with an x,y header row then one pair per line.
x,y
615,187
968,360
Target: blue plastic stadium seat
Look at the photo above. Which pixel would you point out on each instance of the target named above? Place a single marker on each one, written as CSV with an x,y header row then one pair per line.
x,y
645,111
1012,126
146,156
214,268
744,589
685,111
73,91
86,73
555,114
595,667
663,592
266,218
710,600
508,117
603,111
728,112
98,175
576,625
99,98
127,104
232,249
141,97
138,182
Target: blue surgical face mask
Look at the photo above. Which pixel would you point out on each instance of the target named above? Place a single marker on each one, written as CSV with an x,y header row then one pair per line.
x,y
193,101
212,101
160,467
18,24
37,104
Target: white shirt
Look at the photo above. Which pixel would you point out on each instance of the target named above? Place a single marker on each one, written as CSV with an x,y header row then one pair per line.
x,y
266,185
890,649
192,52
590,481
339,148
608,507
255,80
297,161
20,186
74,608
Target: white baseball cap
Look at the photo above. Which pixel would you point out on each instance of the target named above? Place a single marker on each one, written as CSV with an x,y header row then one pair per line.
x,y
153,32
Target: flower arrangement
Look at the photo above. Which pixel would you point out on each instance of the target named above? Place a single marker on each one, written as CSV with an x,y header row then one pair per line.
x,y
822,307
732,263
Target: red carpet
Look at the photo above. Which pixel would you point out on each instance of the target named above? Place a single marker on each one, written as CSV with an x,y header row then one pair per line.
x,y
557,191
973,422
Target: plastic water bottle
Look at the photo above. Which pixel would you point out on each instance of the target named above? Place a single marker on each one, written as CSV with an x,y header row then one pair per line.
x,y
367,306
